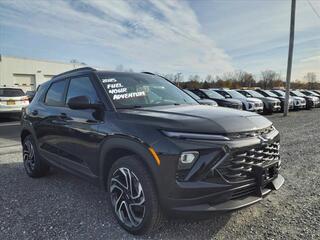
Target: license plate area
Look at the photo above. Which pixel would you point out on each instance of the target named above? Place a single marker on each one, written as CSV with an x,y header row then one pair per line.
x,y
11,102
266,173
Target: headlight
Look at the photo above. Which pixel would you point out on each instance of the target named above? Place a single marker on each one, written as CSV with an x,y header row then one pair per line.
x,y
196,136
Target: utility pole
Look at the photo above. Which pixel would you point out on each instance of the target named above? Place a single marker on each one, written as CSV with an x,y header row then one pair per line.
x,y
289,66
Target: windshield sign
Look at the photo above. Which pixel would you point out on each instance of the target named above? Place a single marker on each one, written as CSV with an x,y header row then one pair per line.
x,y
132,90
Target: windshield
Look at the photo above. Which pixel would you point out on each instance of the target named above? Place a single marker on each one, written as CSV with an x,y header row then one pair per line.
x,y
132,90
213,94
271,94
11,92
192,94
244,93
235,94
299,94
255,94
279,93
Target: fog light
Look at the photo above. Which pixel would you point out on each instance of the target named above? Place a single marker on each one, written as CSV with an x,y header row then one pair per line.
x,y
187,159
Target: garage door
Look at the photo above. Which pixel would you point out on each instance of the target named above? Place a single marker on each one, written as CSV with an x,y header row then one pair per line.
x,y
25,81
47,77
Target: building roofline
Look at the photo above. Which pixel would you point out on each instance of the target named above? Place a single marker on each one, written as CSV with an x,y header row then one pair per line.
x,y
40,60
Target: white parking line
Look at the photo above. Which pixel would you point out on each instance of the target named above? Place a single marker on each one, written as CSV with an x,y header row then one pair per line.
x,y
9,124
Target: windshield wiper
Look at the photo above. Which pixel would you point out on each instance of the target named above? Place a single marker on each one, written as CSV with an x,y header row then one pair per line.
x,y
130,107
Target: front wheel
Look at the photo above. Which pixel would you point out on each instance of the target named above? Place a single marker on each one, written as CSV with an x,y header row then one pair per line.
x,y
133,198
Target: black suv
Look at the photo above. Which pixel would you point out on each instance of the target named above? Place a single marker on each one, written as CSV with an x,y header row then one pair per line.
x,y
151,146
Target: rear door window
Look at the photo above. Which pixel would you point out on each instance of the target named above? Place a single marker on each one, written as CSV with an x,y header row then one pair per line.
x,y
55,94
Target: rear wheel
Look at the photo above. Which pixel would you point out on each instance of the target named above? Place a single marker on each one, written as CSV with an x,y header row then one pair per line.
x,y
133,198
33,164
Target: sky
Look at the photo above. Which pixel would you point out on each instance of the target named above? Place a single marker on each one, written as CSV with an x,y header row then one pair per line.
x,y
165,36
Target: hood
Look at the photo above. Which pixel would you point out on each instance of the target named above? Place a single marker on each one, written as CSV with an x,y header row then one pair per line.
x,y
234,100
273,99
254,100
299,98
207,102
195,118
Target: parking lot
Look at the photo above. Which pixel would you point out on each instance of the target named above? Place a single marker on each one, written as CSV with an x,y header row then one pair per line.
x,y
61,206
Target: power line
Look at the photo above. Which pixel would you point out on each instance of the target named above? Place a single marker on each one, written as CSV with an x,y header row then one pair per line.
x,y
313,8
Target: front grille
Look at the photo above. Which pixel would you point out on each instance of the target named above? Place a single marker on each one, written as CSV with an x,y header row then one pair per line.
x,y
236,106
240,165
259,132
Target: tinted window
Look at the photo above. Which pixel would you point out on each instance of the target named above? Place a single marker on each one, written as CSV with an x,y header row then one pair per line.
x,y
199,93
11,92
270,94
223,93
213,94
82,86
244,93
192,94
55,94
255,94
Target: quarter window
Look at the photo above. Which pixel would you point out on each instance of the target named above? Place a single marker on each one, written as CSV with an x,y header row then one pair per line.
x,y
82,86
55,94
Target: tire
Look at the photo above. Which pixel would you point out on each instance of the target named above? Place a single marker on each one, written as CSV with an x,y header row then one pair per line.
x,y
137,211
34,166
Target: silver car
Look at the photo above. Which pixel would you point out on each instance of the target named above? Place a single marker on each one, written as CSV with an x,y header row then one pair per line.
x,y
12,100
249,103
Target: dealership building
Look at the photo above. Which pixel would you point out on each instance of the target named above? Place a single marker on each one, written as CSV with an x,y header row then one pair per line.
x,y
27,74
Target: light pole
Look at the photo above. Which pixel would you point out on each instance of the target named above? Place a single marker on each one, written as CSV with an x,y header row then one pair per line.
x,y
289,66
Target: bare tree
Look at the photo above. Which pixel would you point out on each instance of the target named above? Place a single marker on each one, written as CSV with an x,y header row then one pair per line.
x,y
270,79
311,79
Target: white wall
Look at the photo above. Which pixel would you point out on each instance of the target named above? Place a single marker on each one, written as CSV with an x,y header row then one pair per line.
x,y
29,73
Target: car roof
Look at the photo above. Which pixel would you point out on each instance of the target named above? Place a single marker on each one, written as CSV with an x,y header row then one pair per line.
x,y
90,69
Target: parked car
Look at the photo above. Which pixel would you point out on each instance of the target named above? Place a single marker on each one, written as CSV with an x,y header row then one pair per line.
x,y
316,91
221,100
270,104
269,93
30,95
298,102
248,104
312,102
312,94
12,100
152,147
201,101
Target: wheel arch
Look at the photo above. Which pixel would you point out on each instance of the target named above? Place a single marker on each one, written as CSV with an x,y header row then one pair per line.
x,y
24,133
116,147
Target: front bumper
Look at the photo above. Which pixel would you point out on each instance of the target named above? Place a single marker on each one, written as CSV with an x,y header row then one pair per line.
x,y
232,204
276,108
300,106
11,109
209,187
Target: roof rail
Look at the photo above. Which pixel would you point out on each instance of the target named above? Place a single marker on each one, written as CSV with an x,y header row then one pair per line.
x,y
75,70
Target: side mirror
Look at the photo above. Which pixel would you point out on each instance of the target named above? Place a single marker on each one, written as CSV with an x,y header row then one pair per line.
x,y
82,102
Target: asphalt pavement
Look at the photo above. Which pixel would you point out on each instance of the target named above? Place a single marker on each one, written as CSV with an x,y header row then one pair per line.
x,y
9,135
62,206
